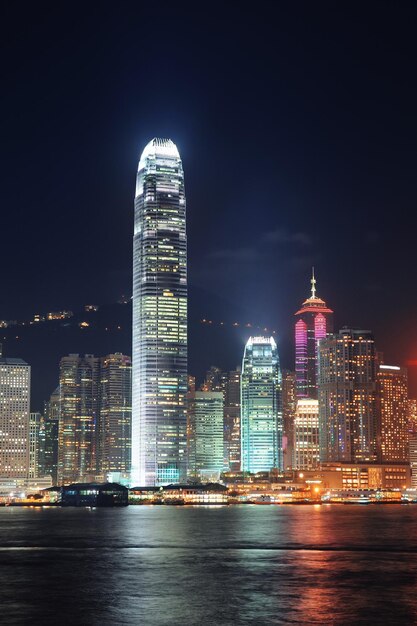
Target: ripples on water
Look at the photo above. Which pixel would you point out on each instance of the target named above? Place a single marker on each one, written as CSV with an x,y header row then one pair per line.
x,y
158,566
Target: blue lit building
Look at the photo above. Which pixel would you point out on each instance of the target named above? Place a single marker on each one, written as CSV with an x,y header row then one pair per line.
x,y
261,406
159,359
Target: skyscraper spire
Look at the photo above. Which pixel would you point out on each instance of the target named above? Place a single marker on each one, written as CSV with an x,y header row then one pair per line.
x,y
313,284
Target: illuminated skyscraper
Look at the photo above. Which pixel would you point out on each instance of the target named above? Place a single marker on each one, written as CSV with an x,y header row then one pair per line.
x,y
232,422
14,418
261,406
392,403
205,435
288,412
314,322
36,445
78,418
306,434
115,422
51,435
159,374
347,397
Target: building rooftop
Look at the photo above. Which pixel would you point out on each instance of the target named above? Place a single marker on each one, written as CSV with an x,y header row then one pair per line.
x,y
160,147
7,361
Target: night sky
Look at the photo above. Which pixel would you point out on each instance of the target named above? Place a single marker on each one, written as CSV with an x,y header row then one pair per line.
x,y
297,126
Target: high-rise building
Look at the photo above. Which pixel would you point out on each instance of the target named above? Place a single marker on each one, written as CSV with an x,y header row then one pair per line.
x,y
392,405
51,422
314,322
159,375
14,418
413,461
78,418
288,412
232,422
347,397
306,434
412,418
205,435
115,415
36,445
261,406
94,416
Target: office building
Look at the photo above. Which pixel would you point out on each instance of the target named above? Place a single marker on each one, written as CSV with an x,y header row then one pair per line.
x,y
412,451
36,445
205,435
159,365
347,397
288,412
314,321
78,418
261,406
306,434
14,418
115,416
392,409
51,424
232,422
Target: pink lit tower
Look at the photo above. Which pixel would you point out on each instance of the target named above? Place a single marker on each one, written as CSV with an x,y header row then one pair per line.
x,y
314,322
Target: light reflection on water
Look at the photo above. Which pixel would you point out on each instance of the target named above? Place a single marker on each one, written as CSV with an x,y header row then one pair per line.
x,y
158,566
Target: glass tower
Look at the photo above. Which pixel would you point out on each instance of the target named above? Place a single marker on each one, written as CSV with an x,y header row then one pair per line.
x,y
159,365
261,412
205,435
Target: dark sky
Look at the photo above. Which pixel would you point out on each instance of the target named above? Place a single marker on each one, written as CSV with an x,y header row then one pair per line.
x,y
297,125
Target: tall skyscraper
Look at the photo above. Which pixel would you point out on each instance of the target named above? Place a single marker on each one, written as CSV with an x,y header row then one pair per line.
x,y
412,418
14,418
306,434
159,375
412,450
115,415
392,403
288,412
205,435
347,397
51,420
94,417
314,322
78,418
232,422
261,406
36,445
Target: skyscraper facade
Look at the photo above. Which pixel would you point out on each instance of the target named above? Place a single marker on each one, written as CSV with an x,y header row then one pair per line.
x,y
392,404
51,421
159,374
14,418
78,418
288,412
205,435
36,445
347,397
261,406
314,322
306,434
115,415
232,422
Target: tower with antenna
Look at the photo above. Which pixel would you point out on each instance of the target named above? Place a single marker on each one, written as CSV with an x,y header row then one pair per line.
x,y
314,321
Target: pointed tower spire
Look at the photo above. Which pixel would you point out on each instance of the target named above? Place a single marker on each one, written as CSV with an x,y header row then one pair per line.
x,y
313,285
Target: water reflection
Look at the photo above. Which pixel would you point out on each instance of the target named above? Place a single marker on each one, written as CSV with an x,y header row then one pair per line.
x,y
229,565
